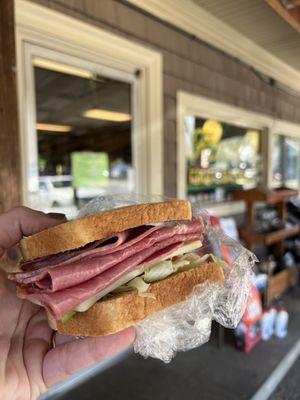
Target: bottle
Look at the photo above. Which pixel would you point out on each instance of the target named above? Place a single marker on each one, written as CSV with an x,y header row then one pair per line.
x,y
265,330
281,323
273,315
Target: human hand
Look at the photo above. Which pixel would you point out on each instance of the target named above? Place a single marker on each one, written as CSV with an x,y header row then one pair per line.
x,y
29,364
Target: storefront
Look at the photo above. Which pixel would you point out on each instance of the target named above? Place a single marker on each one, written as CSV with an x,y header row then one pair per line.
x,y
118,102
159,97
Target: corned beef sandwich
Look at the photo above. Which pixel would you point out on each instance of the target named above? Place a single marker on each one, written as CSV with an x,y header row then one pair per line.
x,y
102,273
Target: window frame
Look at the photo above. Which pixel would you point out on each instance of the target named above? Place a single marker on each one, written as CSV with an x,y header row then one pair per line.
x,y
40,31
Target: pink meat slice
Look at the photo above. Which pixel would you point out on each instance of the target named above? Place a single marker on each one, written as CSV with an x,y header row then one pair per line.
x,y
122,240
94,262
61,302
71,255
62,277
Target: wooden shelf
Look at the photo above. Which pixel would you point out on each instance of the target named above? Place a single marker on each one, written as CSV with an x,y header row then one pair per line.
x,y
269,238
267,195
207,188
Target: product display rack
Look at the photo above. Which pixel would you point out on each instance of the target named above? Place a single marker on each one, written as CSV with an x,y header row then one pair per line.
x,y
286,278
204,188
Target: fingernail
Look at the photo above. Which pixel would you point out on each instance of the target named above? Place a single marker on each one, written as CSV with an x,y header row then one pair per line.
x,y
56,215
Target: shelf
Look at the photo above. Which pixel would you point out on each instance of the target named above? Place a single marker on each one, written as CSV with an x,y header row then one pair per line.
x,y
206,188
267,195
269,238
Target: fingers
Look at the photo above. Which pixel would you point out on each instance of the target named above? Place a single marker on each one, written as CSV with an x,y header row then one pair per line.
x,y
71,357
22,221
37,341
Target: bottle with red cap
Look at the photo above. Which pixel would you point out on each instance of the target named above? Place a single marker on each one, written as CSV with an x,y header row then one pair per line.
x,y
281,323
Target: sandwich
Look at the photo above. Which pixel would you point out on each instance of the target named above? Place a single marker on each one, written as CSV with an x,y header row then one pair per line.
x,y
105,272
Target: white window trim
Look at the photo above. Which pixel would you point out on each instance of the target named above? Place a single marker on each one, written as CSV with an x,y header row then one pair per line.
x,y
200,23
286,128
46,28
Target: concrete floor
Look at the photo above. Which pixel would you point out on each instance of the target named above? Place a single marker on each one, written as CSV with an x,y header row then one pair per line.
x,y
207,373
289,388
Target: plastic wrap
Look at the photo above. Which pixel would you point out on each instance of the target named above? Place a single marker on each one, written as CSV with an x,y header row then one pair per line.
x,y
187,325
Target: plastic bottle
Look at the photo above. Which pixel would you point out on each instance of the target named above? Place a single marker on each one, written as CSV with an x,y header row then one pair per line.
x,y
281,323
272,320
265,325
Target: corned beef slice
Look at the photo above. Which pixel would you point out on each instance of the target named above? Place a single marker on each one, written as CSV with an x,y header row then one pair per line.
x,y
63,286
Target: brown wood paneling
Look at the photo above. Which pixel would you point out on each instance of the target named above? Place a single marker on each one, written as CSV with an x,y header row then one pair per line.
x,y
10,182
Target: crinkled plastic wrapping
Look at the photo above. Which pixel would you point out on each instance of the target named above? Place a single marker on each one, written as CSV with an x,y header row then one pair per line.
x,y
188,325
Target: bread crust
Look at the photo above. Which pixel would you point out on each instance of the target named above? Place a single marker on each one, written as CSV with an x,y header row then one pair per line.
x,y
113,315
75,234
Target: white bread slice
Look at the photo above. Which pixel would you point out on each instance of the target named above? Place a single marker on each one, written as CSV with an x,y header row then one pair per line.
x,y
78,233
124,310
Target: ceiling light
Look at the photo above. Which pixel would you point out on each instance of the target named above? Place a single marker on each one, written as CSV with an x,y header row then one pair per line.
x,y
106,115
65,69
53,128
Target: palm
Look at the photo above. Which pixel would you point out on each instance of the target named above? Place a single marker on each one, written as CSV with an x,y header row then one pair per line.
x,y
30,363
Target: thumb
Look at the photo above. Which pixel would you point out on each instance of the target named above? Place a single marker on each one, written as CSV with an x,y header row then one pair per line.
x,y
65,360
22,221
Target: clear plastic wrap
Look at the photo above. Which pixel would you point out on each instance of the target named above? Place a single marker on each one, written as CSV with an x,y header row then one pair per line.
x,y
187,325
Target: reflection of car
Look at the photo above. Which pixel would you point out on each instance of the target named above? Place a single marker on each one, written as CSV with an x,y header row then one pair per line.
x,y
56,190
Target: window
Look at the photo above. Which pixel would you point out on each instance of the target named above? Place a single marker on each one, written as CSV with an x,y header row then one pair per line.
x,y
220,157
95,58
286,164
84,135
228,146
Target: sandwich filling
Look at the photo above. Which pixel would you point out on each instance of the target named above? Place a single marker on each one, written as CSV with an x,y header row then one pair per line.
x,y
73,281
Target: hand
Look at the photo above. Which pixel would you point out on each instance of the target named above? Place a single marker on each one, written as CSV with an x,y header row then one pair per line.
x,y
28,362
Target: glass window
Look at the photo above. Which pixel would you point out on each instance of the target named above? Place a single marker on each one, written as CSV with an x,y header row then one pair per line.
x,y
291,163
286,162
84,133
220,157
